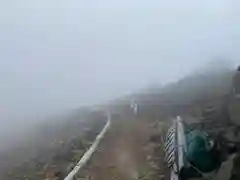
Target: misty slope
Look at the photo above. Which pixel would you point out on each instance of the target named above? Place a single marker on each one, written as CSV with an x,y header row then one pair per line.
x,y
199,86
58,143
195,91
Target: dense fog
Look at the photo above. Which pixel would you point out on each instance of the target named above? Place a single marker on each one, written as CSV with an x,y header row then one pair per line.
x,y
63,54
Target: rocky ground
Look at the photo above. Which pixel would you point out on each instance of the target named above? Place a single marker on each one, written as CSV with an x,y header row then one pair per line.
x,y
52,154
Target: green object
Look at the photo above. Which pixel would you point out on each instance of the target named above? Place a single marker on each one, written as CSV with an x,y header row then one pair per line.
x,y
199,151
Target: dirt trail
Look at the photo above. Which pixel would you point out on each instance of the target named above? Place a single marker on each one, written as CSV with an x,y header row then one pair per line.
x,y
125,153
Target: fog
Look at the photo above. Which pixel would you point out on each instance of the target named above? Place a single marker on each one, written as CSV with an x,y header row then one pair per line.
x,y
61,54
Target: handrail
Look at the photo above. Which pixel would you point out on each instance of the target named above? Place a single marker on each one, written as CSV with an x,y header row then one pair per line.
x,y
86,157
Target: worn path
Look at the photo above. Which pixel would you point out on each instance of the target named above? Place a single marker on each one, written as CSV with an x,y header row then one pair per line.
x,y
126,153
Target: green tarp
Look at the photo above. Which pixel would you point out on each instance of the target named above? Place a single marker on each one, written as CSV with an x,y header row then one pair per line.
x,y
199,151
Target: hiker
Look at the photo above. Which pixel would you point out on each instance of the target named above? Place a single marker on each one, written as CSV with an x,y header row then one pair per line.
x,y
234,100
236,83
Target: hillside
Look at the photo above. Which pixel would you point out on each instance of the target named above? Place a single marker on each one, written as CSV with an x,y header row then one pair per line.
x,y
55,148
188,94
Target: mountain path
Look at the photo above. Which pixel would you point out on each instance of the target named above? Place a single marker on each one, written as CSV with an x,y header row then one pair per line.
x,y
126,153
